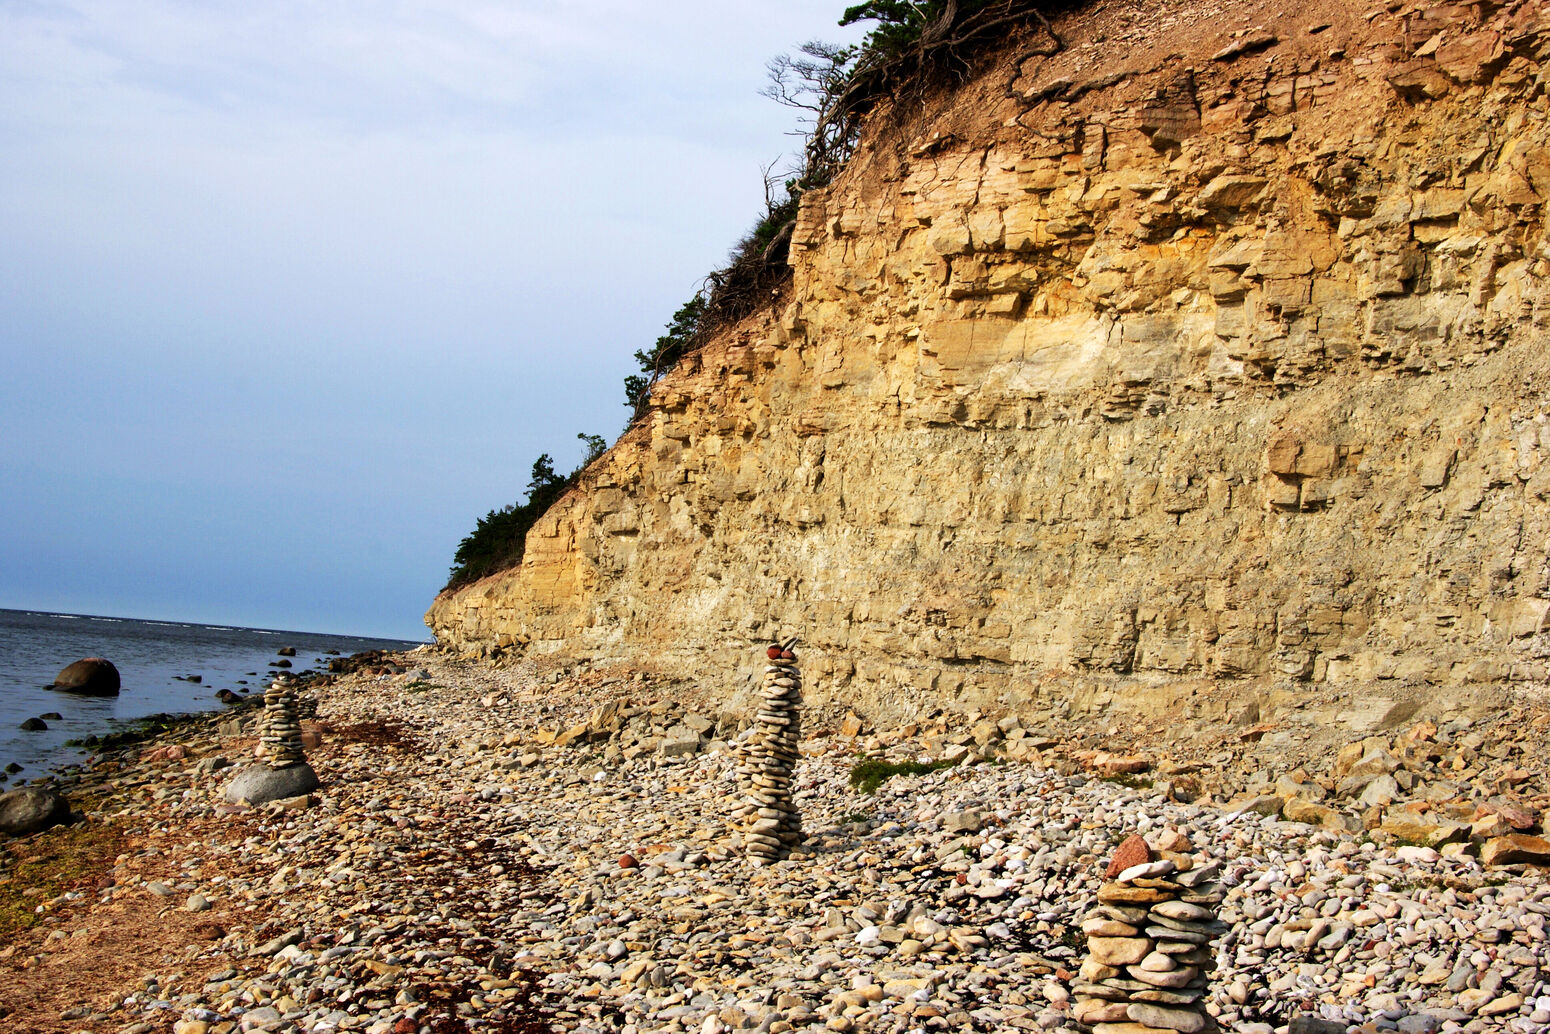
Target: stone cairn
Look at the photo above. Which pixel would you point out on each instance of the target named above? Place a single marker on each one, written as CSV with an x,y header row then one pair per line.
x,y
768,820
279,736
1149,944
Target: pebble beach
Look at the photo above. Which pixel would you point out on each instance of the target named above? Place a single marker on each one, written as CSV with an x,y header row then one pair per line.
x,y
484,854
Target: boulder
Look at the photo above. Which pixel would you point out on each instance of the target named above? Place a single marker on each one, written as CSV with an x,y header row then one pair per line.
x,y
1314,814
1490,826
1515,847
1290,786
575,734
286,651
90,676
1520,815
1380,792
680,742
1375,763
31,808
1425,828
34,725
260,784
1109,765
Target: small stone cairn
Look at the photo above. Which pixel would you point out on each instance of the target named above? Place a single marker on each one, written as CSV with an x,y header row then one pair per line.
x,y
1149,943
279,736
768,820
283,772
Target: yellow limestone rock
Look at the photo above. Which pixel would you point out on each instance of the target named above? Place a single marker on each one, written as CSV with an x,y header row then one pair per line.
x,y
1108,397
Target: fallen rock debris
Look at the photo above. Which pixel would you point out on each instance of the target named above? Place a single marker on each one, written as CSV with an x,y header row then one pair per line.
x,y
445,879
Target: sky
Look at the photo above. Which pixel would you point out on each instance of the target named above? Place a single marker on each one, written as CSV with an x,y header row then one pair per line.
x,y
292,293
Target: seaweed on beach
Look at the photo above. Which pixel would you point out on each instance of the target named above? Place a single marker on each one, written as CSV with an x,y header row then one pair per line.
x,y
154,726
36,870
522,1013
372,734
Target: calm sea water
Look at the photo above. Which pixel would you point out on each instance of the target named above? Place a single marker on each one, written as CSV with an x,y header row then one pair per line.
x,y
149,655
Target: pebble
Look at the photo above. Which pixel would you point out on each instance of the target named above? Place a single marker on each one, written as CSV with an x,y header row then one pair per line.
x,y
433,881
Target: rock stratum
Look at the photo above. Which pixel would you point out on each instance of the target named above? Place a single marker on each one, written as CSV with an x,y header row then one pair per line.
x,y
1210,350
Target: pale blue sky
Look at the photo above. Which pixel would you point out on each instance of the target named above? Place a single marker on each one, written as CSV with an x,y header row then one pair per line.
x,y
291,293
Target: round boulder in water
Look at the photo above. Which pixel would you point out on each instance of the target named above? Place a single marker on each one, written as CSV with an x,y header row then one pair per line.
x,y
91,676
260,784
31,808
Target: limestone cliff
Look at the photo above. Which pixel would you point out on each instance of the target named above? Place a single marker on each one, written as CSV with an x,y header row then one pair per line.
x,y
1210,347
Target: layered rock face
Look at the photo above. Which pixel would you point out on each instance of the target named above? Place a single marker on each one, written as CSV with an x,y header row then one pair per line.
x,y
1118,368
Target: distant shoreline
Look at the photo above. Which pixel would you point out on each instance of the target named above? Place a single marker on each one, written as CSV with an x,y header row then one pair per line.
x,y
174,623
165,667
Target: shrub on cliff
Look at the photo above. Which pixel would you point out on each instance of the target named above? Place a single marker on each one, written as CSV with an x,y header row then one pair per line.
x,y
498,537
681,337
911,48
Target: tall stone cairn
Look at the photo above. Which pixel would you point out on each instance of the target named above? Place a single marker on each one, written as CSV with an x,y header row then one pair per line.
x,y
767,819
279,735
1149,943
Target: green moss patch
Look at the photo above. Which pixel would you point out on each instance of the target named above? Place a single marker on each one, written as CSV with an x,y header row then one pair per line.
x,y
870,773
39,869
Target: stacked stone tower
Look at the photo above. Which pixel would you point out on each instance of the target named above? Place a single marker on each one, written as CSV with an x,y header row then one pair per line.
x,y
768,819
1149,945
280,733
284,771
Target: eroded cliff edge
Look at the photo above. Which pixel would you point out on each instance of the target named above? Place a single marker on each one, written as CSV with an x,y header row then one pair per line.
x,y
1212,349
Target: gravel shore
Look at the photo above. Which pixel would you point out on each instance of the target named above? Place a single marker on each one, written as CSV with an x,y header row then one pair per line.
x,y
470,865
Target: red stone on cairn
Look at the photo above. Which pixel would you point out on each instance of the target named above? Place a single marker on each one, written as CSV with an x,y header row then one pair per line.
x,y
1131,851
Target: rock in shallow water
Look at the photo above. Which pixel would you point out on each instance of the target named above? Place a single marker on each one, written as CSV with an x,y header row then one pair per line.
x,y
260,784
90,676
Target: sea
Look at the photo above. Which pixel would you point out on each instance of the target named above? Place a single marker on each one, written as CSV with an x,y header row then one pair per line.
x,y
156,661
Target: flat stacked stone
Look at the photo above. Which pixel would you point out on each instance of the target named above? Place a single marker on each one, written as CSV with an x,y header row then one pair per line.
x,y
1149,950
767,819
279,736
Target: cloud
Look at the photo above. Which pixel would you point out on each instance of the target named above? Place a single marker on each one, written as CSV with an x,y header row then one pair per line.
x,y
364,67
247,246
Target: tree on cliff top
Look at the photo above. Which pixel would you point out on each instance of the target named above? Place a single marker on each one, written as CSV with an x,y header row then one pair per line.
x,y
833,87
911,49
682,334
499,537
